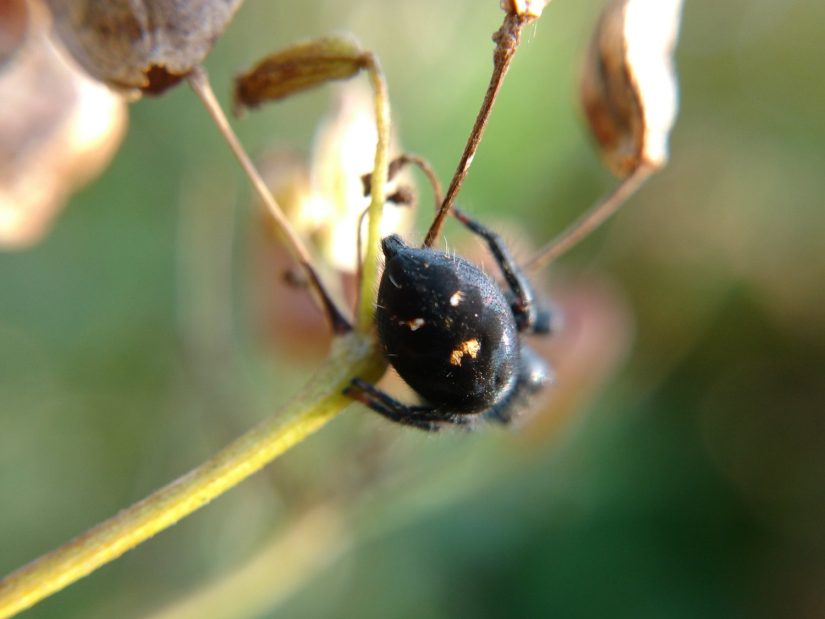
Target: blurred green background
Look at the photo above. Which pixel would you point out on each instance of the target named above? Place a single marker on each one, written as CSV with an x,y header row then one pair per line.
x,y
688,484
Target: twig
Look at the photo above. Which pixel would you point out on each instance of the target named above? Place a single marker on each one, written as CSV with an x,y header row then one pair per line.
x,y
428,170
507,39
199,81
591,219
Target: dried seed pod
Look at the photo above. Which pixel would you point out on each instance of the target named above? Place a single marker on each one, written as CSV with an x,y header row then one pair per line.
x,y
298,68
524,8
145,45
629,88
58,129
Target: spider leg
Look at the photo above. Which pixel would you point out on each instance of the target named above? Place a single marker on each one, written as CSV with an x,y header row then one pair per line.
x,y
534,374
529,317
428,418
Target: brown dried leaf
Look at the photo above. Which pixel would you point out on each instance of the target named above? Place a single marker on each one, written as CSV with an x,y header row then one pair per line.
x,y
144,45
58,129
629,88
298,68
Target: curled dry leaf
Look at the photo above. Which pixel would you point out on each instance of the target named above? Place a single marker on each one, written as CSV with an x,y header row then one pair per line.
x,y
141,45
298,68
629,87
58,129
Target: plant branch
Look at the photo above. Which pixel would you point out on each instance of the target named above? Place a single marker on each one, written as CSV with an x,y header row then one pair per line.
x,y
319,402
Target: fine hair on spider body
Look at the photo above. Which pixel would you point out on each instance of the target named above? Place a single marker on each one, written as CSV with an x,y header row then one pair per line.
x,y
455,336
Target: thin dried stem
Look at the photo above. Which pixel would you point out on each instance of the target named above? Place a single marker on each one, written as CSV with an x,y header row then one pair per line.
x,y
396,165
507,39
428,171
591,219
199,81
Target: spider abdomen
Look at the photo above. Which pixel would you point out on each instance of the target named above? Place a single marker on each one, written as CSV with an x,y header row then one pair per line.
x,y
446,328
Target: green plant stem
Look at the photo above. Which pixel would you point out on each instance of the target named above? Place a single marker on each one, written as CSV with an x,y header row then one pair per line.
x,y
353,354
318,402
369,271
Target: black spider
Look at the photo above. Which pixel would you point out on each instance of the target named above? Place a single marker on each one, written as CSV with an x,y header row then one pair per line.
x,y
454,336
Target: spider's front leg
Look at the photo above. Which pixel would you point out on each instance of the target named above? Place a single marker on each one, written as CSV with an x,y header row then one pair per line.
x,y
426,418
530,317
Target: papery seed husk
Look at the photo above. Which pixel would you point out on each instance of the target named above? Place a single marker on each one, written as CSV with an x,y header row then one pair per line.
x,y
140,45
629,88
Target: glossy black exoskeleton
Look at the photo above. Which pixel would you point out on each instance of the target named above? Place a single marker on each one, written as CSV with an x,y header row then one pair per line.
x,y
454,336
